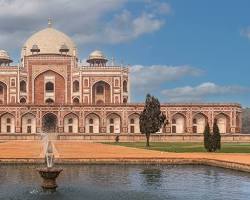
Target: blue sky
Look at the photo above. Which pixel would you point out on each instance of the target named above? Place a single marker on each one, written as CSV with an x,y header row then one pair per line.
x,y
180,51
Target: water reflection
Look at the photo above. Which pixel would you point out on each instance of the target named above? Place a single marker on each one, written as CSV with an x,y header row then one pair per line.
x,y
152,176
120,182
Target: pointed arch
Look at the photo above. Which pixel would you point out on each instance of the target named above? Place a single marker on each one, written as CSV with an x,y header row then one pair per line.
x,y
23,86
125,86
113,124
71,123
49,87
178,122
28,121
7,123
49,101
49,122
3,92
76,100
223,122
23,100
49,84
134,123
76,86
92,123
199,122
101,91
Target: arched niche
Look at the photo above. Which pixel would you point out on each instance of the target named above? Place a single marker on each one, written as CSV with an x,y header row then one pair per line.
x,y
92,123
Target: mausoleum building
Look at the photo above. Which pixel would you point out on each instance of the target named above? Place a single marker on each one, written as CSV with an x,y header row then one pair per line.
x,y
51,91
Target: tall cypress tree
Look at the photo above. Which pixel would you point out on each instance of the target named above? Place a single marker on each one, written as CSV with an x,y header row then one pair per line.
x,y
151,119
216,137
207,138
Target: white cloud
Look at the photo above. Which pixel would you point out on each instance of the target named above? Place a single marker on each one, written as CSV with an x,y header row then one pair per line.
x,y
200,92
95,21
152,77
125,27
245,32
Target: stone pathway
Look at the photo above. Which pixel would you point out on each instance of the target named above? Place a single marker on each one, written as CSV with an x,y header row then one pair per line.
x,y
85,152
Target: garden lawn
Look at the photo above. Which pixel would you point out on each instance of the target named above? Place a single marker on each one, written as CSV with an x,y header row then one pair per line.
x,y
179,147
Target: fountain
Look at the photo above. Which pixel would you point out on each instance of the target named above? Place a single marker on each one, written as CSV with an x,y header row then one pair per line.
x,y
49,173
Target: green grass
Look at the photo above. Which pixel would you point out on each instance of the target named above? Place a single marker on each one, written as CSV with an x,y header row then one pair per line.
x,y
179,147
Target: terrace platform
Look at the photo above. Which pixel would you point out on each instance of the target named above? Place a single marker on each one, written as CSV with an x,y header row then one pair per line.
x,y
79,152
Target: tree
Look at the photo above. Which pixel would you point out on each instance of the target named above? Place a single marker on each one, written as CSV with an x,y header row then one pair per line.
x,y
151,119
212,141
216,137
207,138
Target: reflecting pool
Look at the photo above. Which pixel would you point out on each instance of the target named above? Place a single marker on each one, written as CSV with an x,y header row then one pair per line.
x,y
120,182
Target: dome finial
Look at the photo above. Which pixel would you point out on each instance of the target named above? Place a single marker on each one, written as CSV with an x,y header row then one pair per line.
x,y
49,22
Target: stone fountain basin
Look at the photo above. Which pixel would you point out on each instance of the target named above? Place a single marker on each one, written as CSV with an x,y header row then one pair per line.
x,y
49,173
49,176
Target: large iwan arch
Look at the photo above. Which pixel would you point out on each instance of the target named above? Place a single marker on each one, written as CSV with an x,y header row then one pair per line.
x,y
101,93
57,94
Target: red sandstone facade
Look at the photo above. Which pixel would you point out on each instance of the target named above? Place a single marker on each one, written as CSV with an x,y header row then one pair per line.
x,y
50,91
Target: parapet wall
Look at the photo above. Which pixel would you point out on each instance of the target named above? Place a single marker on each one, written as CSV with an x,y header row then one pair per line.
x,y
153,138
128,138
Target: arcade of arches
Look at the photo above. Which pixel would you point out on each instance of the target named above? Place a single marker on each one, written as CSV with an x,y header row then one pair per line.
x,y
112,123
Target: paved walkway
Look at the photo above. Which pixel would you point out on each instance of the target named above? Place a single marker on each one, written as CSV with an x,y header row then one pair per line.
x,y
79,151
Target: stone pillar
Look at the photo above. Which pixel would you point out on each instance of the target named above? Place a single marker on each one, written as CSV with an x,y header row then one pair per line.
x,y
189,121
38,121
18,128
81,121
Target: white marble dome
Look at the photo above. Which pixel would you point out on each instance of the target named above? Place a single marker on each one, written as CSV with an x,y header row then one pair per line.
x,y
49,41
97,55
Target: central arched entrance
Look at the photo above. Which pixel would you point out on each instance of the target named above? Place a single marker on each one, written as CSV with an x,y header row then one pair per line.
x,y
101,93
49,123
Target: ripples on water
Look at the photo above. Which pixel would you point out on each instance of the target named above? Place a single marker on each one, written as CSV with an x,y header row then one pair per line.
x,y
115,182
